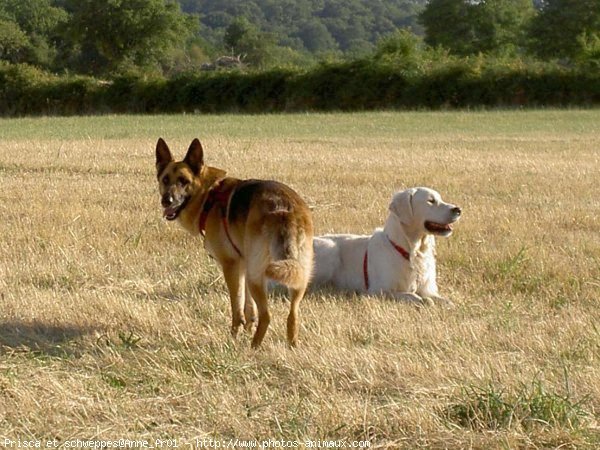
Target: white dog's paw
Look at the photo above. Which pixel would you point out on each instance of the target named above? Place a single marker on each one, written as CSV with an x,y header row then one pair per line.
x,y
441,301
409,297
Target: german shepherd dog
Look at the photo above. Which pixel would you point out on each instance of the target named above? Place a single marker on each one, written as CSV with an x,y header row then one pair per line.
x,y
257,230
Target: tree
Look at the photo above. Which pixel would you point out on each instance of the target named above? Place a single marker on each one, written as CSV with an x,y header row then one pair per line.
x,y
449,24
113,35
314,25
28,31
13,42
487,26
590,51
34,16
564,28
501,25
401,44
243,38
315,37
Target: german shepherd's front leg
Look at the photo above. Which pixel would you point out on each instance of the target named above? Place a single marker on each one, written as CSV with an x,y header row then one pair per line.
x,y
235,279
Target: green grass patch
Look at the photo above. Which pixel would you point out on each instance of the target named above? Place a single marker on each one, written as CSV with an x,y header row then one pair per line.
x,y
493,407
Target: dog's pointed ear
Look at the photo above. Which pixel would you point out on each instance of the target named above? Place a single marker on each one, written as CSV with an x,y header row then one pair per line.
x,y
163,156
195,156
401,205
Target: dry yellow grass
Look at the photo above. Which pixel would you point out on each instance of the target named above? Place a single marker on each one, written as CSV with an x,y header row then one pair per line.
x,y
114,324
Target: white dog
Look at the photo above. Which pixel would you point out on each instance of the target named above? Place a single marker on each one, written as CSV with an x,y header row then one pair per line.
x,y
398,260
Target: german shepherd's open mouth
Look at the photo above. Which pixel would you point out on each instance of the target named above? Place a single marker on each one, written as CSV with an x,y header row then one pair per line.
x,y
172,211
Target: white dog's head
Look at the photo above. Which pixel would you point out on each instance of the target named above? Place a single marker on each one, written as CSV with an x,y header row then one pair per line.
x,y
423,208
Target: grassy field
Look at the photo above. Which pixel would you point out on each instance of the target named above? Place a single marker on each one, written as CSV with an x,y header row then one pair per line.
x,y
115,324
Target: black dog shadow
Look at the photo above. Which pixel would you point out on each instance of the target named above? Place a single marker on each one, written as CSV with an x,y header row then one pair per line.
x,y
41,338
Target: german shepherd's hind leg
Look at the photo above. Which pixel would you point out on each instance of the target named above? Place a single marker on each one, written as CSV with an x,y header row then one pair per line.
x,y
249,310
259,293
292,322
235,280
291,263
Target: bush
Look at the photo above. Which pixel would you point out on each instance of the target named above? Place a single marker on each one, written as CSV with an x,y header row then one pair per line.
x,y
18,83
391,80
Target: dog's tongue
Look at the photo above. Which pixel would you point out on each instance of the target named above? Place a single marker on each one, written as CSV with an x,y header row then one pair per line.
x,y
434,226
169,212
441,227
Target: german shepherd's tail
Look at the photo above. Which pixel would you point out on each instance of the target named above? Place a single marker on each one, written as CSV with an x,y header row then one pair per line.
x,y
288,272
291,252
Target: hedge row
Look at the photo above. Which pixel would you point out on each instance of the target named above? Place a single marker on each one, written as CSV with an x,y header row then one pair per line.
x,y
357,85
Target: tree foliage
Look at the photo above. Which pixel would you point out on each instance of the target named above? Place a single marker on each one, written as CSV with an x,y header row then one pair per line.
x,y
565,28
28,31
113,35
449,24
501,25
488,26
310,25
246,41
13,41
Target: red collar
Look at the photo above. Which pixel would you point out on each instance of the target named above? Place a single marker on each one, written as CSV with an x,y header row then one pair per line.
x,y
399,249
366,268
218,195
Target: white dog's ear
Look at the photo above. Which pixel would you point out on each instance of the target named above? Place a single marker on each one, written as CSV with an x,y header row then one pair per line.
x,y
401,205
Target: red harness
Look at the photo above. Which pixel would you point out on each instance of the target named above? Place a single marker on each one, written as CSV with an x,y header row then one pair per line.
x,y
399,249
218,196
